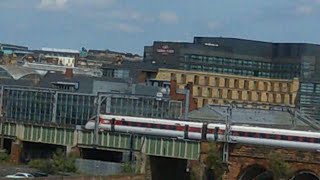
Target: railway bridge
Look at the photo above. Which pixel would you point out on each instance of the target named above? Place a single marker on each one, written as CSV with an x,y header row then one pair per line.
x,y
245,162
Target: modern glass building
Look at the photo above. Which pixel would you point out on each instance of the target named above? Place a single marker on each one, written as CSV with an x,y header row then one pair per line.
x,y
246,58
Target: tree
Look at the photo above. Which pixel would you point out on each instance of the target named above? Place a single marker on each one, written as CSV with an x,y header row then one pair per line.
x,y
279,168
214,161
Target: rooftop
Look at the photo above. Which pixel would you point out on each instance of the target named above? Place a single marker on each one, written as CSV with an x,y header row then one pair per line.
x,y
277,116
17,72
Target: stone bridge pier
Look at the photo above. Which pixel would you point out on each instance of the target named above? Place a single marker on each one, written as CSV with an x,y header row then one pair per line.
x,y
246,162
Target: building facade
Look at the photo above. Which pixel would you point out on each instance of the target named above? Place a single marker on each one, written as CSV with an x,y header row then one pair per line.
x,y
213,88
247,58
62,57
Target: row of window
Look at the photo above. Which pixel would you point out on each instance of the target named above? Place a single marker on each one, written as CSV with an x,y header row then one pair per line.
x,y
310,87
272,98
239,62
242,72
116,73
235,83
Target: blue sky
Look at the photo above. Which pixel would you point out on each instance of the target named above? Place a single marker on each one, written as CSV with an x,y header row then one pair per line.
x,y
128,25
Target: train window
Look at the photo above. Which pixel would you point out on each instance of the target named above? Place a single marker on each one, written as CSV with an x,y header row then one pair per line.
x,y
153,126
162,126
250,134
235,133
283,137
295,138
272,136
305,139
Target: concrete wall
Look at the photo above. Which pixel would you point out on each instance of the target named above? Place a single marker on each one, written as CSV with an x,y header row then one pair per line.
x,y
100,168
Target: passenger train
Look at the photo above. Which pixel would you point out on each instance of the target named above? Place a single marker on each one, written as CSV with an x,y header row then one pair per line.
x,y
208,131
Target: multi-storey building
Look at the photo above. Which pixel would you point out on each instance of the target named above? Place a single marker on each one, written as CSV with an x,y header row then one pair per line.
x,y
213,88
246,58
63,57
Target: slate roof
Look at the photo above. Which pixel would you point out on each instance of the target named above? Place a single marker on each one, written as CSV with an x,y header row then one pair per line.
x,y
276,117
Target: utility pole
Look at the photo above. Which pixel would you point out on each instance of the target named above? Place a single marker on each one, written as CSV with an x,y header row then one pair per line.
x,y
96,127
2,135
1,120
227,139
186,108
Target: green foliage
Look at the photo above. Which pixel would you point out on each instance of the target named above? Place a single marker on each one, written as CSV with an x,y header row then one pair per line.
x,y
193,175
45,166
59,163
128,168
4,157
214,161
279,168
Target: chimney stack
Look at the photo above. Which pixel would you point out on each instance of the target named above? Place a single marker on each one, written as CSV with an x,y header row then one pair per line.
x,y
69,73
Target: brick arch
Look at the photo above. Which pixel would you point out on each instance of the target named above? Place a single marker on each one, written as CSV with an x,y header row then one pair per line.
x,y
251,171
305,174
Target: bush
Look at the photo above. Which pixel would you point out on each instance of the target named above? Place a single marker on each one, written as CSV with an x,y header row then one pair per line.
x,y
4,157
42,165
128,168
59,163
279,168
214,161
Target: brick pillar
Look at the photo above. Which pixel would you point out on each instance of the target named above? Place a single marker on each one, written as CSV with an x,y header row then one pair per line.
x,y
147,170
16,151
75,151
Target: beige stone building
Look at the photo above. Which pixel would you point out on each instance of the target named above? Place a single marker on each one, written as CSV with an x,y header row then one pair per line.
x,y
212,88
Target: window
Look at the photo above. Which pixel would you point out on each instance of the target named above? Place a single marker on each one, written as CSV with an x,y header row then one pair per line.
x,y
236,83
226,83
240,95
220,93
229,94
196,80
246,84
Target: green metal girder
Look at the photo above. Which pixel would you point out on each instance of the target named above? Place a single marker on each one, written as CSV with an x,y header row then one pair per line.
x,y
155,146
113,140
9,129
50,135
172,148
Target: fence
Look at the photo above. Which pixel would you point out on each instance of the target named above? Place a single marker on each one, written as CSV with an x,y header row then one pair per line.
x,y
35,105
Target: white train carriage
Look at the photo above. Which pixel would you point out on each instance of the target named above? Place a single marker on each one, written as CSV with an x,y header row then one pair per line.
x,y
151,126
211,132
215,132
275,137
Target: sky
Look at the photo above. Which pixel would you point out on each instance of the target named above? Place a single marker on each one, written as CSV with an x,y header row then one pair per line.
x,y
129,25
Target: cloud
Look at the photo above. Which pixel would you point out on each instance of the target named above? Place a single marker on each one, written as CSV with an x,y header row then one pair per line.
x,y
63,4
304,9
168,17
52,4
129,15
125,27
96,3
213,25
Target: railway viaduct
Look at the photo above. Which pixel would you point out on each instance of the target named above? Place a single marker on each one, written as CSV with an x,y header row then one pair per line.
x,y
164,158
246,162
